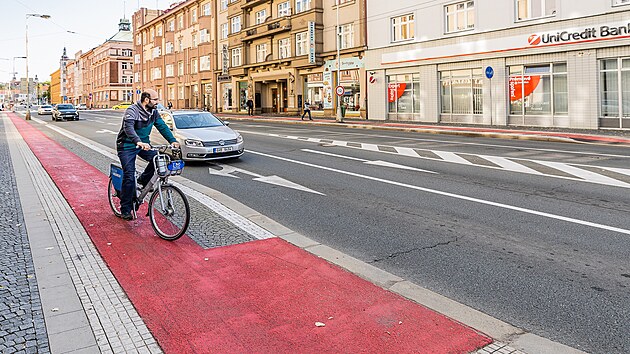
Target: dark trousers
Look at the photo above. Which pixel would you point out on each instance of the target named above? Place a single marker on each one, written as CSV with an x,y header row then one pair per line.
x,y
128,162
309,114
250,111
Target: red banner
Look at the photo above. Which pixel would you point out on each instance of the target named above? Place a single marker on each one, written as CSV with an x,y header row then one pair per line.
x,y
522,86
394,91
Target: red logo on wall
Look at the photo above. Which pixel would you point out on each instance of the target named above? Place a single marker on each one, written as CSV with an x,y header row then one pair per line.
x,y
394,91
522,86
534,39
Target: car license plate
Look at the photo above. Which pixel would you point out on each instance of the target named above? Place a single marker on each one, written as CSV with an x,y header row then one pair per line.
x,y
222,149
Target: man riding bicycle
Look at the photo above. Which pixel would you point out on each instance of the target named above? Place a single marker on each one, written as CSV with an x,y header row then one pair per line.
x,y
133,140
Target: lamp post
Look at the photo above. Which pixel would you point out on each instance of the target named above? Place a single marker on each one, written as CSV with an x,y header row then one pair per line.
x,y
338,38
28,86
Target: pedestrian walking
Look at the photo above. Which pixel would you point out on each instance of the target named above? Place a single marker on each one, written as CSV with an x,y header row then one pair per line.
x,y
170,105
307,109
250,107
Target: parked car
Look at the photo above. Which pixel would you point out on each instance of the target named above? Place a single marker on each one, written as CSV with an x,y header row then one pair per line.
x,y
44,110
81,106
203,136
123,105
65,111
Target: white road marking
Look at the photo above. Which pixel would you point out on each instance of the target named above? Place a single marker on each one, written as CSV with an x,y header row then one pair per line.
x,y
368,162
510,165
106,131
227,171
452,195
405,151
452,157
587,175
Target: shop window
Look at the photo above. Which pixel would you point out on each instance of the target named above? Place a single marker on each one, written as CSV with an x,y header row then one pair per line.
x,y
462,91
615,87
530,9
403,93
539,90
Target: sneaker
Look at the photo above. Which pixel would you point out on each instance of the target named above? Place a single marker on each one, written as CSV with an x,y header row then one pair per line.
x,y
127,216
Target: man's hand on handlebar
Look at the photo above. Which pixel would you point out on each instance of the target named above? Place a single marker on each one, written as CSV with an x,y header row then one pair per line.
x,y
175,145
143,146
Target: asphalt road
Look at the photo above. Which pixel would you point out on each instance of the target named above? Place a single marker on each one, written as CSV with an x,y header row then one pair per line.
x,y
529,243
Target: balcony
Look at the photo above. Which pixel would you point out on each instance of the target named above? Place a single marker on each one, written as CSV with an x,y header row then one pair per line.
x,y
252,3
268,28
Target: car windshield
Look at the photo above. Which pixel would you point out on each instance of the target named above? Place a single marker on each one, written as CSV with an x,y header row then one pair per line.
x,y
196,120
46,106
65,106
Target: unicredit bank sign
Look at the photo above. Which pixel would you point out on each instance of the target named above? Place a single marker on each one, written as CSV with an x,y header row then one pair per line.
x,y
568,36
592,33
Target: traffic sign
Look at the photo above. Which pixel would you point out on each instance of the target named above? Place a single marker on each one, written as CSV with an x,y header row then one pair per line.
x,y
489,72
339,90
137,92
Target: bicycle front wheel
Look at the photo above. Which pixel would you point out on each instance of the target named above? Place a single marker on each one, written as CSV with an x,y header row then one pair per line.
x,y
169,212
113,196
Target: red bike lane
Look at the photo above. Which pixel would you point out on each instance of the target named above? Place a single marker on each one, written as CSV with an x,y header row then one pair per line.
x,y
258,297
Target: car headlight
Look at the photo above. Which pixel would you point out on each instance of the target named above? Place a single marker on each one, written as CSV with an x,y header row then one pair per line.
x,y
239,139
191,142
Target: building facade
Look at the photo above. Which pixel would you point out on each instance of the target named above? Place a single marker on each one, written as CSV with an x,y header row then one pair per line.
x,y
546,63
55,87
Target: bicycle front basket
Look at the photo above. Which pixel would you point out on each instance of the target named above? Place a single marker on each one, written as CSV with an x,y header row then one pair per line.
x,y
116,173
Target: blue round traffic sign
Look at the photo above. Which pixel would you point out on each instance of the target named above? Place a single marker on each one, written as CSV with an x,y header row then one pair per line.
x,y
489,72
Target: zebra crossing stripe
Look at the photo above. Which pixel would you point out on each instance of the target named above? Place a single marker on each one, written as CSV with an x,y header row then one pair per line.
x,y
406,151
452,157
510,165
584,174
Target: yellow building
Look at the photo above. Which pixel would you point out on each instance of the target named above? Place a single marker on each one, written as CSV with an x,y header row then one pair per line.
x,y
55,87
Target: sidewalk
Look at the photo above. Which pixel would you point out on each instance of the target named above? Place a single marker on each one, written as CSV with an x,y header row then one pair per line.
x,y
522,133
109,286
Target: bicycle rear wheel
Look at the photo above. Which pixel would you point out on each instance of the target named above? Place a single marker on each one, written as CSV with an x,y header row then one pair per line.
x,y
113,198
169,212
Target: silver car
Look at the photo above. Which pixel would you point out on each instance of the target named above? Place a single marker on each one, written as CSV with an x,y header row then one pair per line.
x,y
203,136
44,109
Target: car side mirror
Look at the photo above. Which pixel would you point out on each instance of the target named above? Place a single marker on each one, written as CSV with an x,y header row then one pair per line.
x,y
226,123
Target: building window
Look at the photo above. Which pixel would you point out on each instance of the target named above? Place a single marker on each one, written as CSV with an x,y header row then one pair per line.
x,y
462,91
615,88
171,93
261,52
138,39
621,2
340,2
180,44
302,5
168,47
193,66
194,39
193,16
180,88
284,48
125,66
460,16
152,35
236,24
180,22
205,9
224,5
539,90
204,63
159,31
529,9
301,43
204,36
403,28
157,51
284,9
261,16
236,57
136,58
127,79
170,72
346,36
180,68
224,31
403,93
171,25
156,73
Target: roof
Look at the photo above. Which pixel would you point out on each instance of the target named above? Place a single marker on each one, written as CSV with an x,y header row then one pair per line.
x,y
122,36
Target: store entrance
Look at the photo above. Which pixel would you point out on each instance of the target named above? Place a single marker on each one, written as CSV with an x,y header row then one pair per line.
x,y
274,100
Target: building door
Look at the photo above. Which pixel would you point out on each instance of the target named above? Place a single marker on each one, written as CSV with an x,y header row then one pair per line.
x,y
274,100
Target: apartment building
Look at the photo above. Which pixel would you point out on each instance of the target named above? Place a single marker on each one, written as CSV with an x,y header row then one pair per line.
x,y
55,87
176,53
546,63
283,53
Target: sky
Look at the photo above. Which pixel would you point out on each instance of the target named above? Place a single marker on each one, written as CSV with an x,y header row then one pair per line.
x,y
74,24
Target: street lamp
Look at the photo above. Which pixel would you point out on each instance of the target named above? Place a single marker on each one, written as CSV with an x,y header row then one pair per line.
x,y
338,35
28,86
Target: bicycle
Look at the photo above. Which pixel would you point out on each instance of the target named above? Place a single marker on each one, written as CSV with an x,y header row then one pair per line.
x,y
168,208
